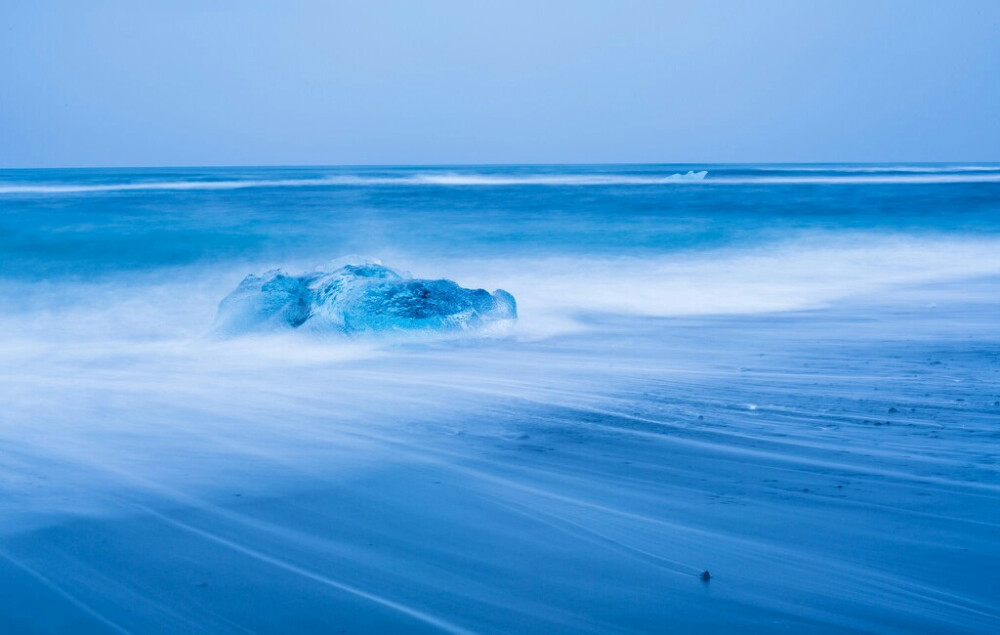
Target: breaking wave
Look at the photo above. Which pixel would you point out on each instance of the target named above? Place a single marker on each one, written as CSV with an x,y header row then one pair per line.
x,y
762,175
444,179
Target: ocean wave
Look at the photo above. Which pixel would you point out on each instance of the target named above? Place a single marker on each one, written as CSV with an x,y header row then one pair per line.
x,y
859,179
865,176
444,179
79,188
553,179
918,169
811,271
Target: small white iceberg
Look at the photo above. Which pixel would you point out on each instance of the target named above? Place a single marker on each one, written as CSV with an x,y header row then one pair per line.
x,y
690,175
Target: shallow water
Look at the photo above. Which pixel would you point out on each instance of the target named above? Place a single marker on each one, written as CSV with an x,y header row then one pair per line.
x,y
787,375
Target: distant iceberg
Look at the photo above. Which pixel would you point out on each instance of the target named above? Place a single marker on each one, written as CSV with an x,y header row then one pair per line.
x,y
354,298
689,176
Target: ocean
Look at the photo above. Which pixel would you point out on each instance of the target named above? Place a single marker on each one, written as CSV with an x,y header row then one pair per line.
x,y
785,375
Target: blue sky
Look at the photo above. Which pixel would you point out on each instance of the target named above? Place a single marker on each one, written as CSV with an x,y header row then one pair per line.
x,y
107,83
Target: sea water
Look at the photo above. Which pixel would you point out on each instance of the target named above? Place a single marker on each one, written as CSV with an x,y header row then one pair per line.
x,y
786,375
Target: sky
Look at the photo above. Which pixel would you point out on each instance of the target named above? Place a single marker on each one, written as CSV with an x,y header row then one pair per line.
x,y
215,82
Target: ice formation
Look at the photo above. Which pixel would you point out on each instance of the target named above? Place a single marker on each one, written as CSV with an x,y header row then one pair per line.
x,y
690,175
359,297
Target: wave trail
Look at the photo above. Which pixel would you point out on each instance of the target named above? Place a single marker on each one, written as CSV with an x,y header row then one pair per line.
x,y
803,177
347,181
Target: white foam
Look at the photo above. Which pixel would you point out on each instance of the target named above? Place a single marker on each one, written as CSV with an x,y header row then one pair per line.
x,y
75,188
810,272
918,169
806,272
859,179
854,176
445,179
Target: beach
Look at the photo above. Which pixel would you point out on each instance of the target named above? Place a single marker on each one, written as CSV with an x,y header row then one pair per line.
x,y
785,376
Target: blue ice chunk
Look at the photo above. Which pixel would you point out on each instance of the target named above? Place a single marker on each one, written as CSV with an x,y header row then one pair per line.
x,y
354,298
273,301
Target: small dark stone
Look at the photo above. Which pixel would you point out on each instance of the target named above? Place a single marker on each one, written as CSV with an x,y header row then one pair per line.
x,y
705,576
